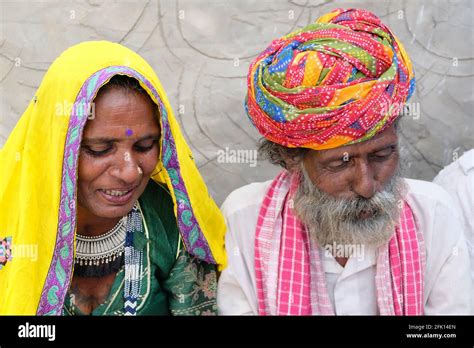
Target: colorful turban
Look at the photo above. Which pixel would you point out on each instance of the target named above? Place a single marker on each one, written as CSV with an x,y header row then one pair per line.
x,y
335,82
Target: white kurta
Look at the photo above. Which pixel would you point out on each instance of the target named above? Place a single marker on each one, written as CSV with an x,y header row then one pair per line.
x,y
458,180
352,288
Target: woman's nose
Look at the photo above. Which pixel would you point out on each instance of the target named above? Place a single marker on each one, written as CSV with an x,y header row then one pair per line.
x,y
127,169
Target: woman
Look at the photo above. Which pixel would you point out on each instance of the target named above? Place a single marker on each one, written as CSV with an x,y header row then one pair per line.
x,y
75,184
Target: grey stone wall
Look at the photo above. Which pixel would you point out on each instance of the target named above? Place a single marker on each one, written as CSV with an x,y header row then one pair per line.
x,y
201,50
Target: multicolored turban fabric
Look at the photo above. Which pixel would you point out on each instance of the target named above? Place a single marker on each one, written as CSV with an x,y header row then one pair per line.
x,y
335,82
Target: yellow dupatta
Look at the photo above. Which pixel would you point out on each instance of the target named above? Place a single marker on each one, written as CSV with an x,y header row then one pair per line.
x,y
38,171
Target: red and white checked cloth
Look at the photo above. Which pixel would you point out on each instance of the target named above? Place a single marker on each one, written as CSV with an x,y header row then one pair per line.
x,y
289,274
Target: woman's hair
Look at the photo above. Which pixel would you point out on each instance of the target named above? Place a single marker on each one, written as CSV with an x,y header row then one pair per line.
x,y
124,82
128,85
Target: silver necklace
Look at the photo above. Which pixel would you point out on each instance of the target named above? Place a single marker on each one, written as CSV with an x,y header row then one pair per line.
x,y
99,250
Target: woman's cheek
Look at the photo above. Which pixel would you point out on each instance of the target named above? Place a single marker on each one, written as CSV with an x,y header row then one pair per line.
x,y
91,168
150,161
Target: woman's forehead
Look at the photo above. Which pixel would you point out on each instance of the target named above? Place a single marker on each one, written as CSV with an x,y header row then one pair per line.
x,y
122,113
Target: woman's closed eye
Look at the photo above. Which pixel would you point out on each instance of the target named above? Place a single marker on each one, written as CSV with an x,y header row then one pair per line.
x,y
97,151
145,146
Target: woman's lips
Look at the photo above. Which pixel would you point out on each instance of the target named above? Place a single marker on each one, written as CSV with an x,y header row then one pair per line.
x,y
117,196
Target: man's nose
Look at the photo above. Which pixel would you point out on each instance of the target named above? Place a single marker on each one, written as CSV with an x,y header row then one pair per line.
x,y
363,182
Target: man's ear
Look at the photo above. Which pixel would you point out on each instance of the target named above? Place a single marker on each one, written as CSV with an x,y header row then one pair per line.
x,y
292,160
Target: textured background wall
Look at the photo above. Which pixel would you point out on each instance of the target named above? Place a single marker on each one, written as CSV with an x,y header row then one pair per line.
x,y
201,50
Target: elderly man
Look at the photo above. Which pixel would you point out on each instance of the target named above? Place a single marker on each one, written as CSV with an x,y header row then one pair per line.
x,y
338,231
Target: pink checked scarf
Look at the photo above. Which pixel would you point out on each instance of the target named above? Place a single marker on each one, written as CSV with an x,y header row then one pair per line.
x,y
289,274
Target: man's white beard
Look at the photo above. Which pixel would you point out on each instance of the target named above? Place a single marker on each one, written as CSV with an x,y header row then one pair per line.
x,y
335,221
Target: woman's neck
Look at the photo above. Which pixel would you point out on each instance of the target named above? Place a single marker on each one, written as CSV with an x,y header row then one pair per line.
x,y
91,225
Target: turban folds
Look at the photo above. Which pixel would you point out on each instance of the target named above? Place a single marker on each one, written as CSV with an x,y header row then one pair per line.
x,y
336,82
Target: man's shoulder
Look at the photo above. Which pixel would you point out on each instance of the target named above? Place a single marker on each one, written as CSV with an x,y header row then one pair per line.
x,y
245,197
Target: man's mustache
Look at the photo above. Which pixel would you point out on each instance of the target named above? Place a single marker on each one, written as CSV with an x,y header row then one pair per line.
x,y
353,208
